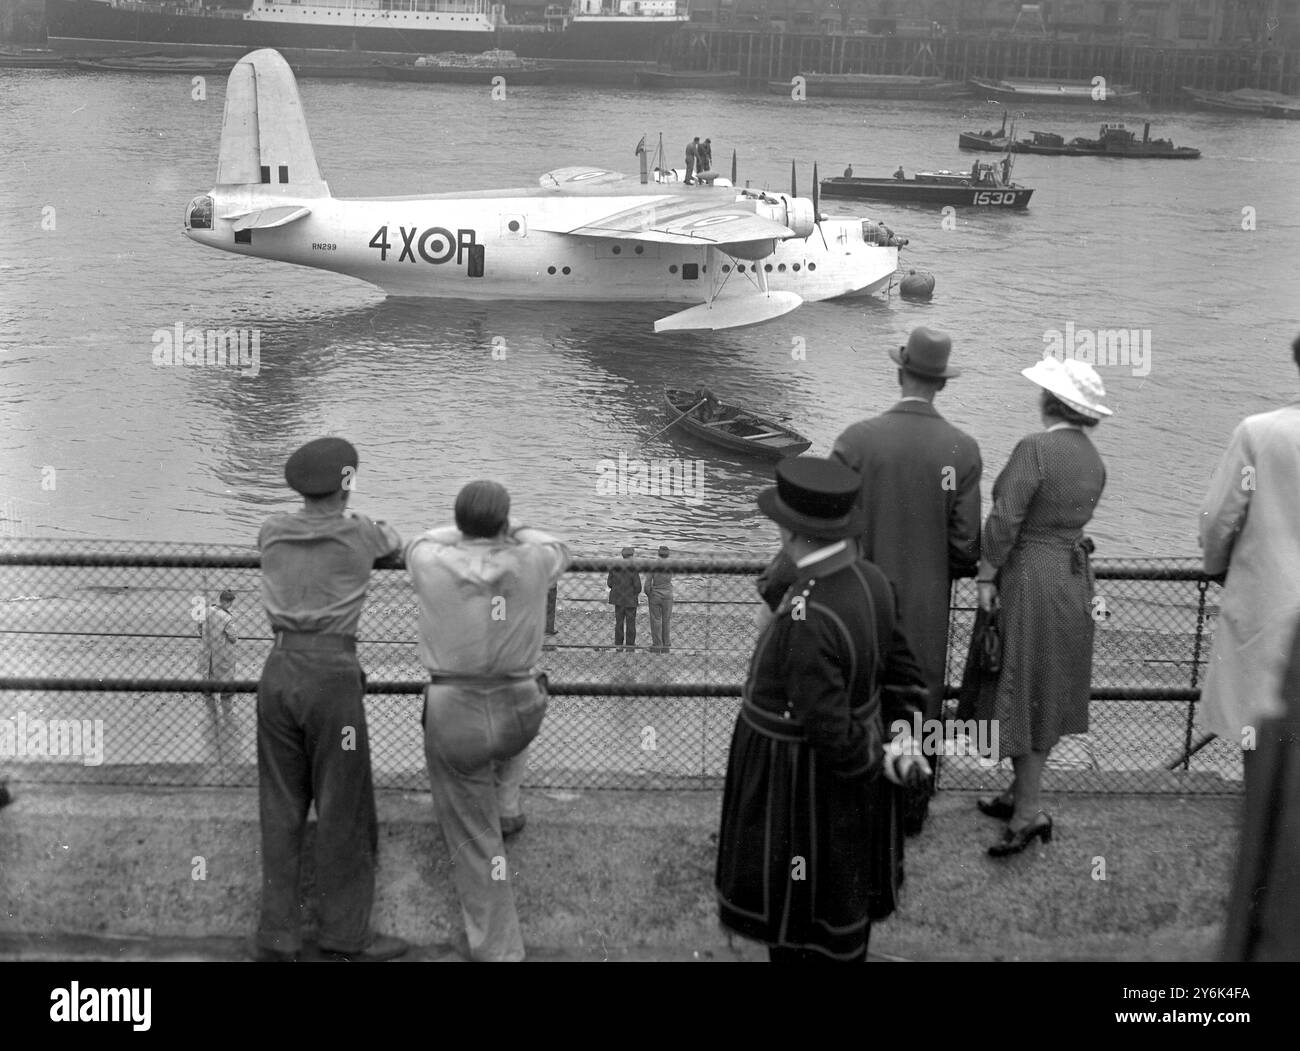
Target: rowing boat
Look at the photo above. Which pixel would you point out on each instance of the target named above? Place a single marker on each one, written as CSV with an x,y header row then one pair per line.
x,y
734,427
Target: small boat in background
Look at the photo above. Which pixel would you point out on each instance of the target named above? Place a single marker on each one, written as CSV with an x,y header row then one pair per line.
x,y
189,65
1247,100
871,86
34,58
451,67
1114,140
1080,91
686,78
733,427
980,187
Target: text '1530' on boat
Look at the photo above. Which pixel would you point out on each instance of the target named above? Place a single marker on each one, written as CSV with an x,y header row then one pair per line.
x,y
982,187
612,30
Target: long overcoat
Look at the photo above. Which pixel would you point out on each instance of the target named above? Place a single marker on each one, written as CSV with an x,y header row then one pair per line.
x,y
1250,528
809,849
921,494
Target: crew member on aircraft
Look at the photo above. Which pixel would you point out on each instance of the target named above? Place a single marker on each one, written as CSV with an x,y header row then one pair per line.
x,y
692,159
848,172
899,174
705,157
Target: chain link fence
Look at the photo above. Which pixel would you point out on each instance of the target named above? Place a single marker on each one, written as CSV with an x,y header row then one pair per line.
x,y
104,676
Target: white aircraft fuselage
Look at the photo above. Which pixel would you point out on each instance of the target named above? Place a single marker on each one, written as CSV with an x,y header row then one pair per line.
x,y
423,246
741,256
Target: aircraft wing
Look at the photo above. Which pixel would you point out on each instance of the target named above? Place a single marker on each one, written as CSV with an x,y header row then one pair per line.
x,y
680,219
575,180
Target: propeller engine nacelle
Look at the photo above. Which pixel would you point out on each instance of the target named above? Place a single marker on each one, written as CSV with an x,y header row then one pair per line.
x,y
795,212
754,250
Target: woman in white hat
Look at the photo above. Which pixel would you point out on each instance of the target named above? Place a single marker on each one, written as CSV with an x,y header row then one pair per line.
x,y
1035,570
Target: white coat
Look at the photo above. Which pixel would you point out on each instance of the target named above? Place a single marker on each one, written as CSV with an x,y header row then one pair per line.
x,y
1250,527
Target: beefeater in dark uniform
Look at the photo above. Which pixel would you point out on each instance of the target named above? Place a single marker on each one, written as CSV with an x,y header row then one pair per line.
x,y
312,743
810,844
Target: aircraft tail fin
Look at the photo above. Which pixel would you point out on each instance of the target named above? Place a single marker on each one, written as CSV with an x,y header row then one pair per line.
x,y
264,140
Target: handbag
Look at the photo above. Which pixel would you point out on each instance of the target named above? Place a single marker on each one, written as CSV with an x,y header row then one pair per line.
x,y
472,724
976,697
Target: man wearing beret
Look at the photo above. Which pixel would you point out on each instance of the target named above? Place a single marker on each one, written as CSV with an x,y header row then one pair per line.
x,y
312,744
624,594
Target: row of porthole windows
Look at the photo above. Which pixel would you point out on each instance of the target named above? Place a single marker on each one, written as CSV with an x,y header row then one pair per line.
x,y
618,249
780,267
726,269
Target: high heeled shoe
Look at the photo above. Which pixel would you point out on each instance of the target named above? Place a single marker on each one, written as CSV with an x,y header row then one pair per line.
x,y
1015,842
996,807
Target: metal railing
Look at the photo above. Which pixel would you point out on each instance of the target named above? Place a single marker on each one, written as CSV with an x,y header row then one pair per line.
x,y
101,677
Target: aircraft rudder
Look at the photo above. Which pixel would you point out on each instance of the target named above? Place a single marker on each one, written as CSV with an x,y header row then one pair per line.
x,y
264,137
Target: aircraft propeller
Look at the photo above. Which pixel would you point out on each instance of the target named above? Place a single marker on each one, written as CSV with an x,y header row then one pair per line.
x,y
817,206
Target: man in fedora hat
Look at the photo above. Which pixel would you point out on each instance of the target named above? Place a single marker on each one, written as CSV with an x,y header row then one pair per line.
x,y
920,499
659,595
312,744
809,849
624,594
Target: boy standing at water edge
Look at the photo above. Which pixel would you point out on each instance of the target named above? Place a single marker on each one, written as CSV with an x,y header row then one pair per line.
x,y
217,664
312,743
482,590
659,593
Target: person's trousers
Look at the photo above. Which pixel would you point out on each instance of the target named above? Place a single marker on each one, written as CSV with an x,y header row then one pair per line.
x,y
312,745
661,611
469,804
551,597
624,617
218,728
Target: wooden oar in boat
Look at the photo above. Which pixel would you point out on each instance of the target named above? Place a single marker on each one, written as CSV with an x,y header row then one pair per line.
x,y
682,416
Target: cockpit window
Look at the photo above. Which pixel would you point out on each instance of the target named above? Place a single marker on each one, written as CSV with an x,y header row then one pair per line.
x,y
199,214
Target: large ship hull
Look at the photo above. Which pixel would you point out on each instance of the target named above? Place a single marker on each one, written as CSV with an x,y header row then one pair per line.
x,y
87,25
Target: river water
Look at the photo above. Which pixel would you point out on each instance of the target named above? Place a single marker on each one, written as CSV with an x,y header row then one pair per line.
x,y
100,442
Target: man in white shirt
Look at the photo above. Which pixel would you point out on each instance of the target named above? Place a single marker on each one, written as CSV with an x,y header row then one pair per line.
x,y
1248,531
481,588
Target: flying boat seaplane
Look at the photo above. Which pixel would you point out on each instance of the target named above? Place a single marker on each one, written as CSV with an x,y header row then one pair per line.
x,y
739,256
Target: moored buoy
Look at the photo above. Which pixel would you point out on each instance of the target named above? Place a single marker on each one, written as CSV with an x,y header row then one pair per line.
x,y
918,284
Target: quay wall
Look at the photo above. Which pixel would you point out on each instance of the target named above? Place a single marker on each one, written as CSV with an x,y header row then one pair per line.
x,y
774,52
1159,72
